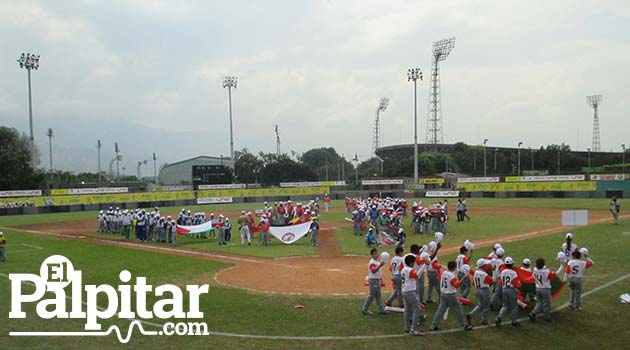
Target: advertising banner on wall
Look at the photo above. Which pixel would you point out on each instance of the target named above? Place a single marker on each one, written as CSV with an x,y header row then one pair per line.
x,y
222,187
607,177
21,193
440,194
313,184
214,200
553,178
464,180
382,182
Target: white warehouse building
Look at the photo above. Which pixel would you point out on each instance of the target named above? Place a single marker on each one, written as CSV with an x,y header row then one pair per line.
x,y
180,173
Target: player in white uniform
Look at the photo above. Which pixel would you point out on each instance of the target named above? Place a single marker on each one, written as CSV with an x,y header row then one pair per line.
x,y
482,282
575,271
395,266
432,272
497,267
543,277
374,278
569,247
463,259
448,297
509,281
409,277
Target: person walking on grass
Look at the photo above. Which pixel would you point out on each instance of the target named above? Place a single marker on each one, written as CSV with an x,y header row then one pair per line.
x,y
3,243
374,279
615,206
448,297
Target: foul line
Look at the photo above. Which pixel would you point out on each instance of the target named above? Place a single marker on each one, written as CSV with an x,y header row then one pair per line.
x,y
137,323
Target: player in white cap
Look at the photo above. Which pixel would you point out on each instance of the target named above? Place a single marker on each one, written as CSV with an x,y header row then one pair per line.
x,y
482,282
509,282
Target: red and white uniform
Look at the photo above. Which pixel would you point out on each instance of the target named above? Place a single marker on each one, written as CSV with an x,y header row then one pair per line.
x,y
497,266
462,260
481,279
510,279
569,251
409,279
373,271
543,277
434,265
492,255
576,268
448,283
396,265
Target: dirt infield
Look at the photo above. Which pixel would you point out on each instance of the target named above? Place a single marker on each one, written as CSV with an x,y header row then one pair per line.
x,y
329,273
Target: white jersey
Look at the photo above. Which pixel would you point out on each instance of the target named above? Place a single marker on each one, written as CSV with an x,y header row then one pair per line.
x,y
568,252
575,267
508,278
543,278
409,278
481,279
431,265
496,265
446,283
461,260
373,264
396,265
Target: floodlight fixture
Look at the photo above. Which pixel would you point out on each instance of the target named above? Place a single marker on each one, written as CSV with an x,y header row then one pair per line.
x,y
594,101
442,48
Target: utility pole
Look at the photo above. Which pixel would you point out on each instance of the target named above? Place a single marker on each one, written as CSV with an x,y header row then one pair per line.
x,y
154,169
98,147
356,169
50,135
117,150
485,141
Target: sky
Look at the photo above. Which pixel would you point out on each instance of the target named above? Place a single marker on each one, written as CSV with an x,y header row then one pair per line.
x,y
148,74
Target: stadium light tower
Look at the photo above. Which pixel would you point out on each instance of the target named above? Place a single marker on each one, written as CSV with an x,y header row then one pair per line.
x,y
98,147
277,141
435,133
118,158
413,74
382,106
595,101
623,158
589,159
140,163
485,141
154,169
519,158
30,61
230,82
50,135
356,169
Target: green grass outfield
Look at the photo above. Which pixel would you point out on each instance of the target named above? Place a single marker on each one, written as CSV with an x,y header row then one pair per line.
x,y
602,323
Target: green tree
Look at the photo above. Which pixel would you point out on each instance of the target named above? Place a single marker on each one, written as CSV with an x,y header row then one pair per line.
x,y
247,166
16,172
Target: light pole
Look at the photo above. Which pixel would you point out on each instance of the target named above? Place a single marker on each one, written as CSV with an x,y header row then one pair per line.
x,y
519,158
117,150
50,135
140,163
558,161
154,169
531,151
623,159
495,160
356,169
485,141
230,82
98,147
382,106
30,61
589,159
413,74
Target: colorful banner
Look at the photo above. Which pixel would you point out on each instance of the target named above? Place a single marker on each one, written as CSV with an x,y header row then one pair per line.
x,y
607,177
290,234
221,187
382,182
528,285
187,230
464,180
433,181
433,194
531,186
214,200
21,193
313,184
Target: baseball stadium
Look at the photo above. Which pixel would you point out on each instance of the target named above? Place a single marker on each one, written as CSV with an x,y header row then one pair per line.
x,y
432,245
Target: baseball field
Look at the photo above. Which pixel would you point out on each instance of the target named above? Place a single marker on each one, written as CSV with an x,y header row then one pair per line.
x,y
254,290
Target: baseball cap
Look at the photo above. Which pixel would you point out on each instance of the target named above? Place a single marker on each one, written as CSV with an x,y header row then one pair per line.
x,y
497,246
569,236
526,261
509,261
482,262
500,252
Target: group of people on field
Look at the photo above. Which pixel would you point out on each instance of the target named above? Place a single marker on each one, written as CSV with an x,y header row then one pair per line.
x,y
495,278
145,225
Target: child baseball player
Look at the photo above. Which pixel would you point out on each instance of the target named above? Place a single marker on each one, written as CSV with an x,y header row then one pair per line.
x,y
374,279
409,278
543,277
509,281
497,267
463,259
569,247
314,230
448,297
3,243
432,272
482,281
575,271
395,266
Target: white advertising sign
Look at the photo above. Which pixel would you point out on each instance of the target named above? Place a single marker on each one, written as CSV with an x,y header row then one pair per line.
x,y
382,182
442,194
464,180
21,193
214,200
98,190
222,187
553,178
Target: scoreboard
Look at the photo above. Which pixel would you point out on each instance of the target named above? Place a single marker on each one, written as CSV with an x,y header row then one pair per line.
x,y
210,174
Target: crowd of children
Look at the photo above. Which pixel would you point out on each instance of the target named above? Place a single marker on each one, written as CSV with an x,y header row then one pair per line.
x,y
146,226
496,281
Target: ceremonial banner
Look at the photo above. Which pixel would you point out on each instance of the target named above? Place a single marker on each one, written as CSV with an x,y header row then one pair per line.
x,y
187,230
290,234
528,285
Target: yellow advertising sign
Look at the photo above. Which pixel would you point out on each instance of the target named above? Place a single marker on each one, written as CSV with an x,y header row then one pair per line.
x,y
59,192
264,192
512,179
437,181
565,186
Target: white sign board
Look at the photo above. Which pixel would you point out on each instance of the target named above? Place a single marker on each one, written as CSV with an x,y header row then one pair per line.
x,y
214,200
440,194
21,193
98,190
465,180
382,182
553,178
601,177
574,217
222,187
313,184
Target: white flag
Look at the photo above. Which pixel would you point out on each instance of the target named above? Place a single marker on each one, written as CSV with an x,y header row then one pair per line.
x,y
290,234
